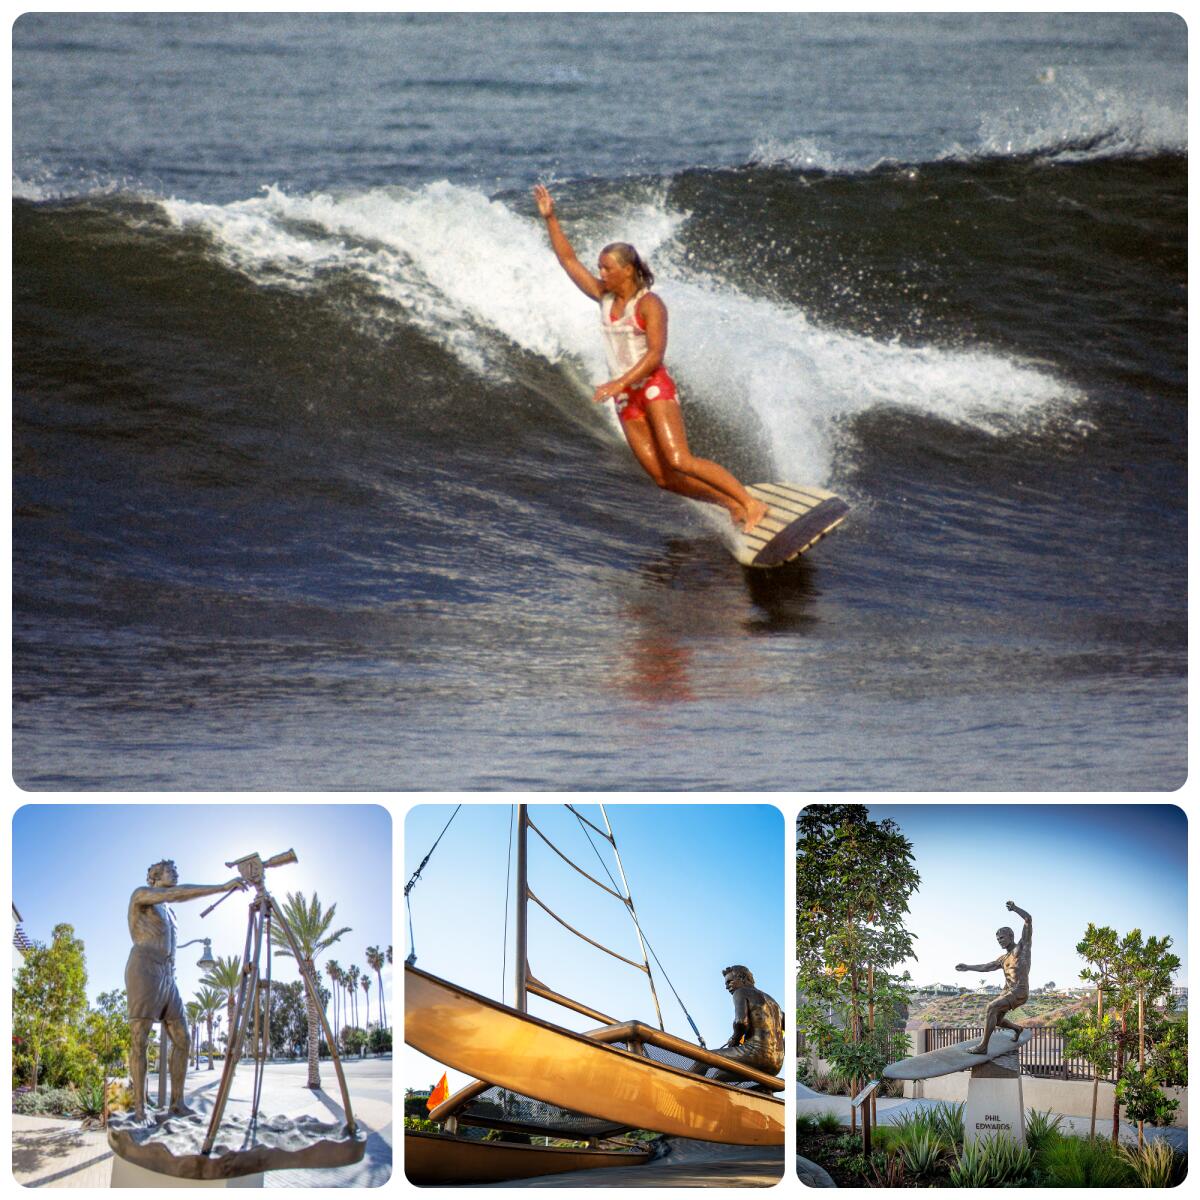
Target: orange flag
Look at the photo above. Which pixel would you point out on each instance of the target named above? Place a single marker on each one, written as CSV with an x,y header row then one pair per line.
x,y
439,1093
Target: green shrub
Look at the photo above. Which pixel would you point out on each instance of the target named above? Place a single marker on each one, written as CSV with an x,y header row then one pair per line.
x,y
420,1123
1156,1164
1009,1163
867,1167
120,1096
47,1102
968,1169
885,1138
829,1122
91,1099
923,1151
891,1174
1082,1162
1143,1099
948,1122
68,1060
380,1041
993,1162
805,1123
1039,1128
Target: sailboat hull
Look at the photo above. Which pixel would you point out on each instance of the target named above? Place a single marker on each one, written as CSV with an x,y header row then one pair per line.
x,y
511,1049
436,1159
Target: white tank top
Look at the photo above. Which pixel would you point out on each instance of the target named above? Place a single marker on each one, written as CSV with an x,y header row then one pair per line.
x,y
624,343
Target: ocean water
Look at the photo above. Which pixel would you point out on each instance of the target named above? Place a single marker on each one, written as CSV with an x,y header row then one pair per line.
x,y
309,493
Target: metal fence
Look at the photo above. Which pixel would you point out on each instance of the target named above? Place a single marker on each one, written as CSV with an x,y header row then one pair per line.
x,y
1041,1055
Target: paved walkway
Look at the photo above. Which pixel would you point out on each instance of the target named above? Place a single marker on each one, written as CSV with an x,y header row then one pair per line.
x,y
52,1152
893,1108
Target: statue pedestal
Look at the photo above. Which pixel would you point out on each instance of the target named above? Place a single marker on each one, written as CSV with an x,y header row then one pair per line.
x,y
129,1175
167,1151
995,1102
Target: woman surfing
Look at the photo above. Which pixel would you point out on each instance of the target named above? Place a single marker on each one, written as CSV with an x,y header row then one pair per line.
x,y
633,324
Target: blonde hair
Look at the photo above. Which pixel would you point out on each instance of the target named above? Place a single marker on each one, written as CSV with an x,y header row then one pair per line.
x,y
627,255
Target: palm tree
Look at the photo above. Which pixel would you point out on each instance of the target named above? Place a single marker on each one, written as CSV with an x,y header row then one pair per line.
x,y
352,980
226,976
341,983
375,962
192,1008
310,927
209,1000
365,981
334,971
389,956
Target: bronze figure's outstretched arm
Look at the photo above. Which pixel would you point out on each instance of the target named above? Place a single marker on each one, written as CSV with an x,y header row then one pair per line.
x,y
995,965
183,891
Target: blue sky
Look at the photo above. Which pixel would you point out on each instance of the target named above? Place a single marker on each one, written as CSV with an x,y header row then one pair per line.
x,y
707,883
80,863
1123,865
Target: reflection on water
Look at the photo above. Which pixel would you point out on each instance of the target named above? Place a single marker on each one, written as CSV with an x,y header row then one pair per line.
x,y
691,616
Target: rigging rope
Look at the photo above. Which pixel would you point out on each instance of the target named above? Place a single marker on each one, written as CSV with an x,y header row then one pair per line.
x,y
637,924
408,887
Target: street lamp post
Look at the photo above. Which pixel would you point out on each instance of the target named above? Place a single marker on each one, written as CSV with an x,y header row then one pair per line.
x,y
205,962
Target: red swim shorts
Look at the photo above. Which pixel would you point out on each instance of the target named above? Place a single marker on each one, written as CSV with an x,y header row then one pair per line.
x,y
659,386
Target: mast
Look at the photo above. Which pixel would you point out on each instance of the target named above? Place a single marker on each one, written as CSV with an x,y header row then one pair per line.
x,y
520,1001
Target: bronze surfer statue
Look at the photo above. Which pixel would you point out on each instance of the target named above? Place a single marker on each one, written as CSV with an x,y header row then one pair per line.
x,y
1014,962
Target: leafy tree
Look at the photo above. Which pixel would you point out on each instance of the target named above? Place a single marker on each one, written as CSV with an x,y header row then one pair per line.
x,y
310,926
1131,974
853,880
1142,975
1096,1041
380,1040
1169,1048
289,1016
50,994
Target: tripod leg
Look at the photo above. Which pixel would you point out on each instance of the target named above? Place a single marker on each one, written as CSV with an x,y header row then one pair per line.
x,y
238,1032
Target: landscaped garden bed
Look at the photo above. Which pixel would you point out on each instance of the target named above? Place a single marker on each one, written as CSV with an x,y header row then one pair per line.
x,y
925,1149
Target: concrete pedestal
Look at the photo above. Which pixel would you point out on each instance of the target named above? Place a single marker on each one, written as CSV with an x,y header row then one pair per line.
x,y
995,1102
130,1175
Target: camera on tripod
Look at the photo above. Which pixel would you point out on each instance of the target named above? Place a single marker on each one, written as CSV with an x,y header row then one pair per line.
x,y
251,867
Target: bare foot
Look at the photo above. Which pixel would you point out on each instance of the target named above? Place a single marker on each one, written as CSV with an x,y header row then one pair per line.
x,y
755,511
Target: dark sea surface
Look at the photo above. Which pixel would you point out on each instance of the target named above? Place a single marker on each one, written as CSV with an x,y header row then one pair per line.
x,y
309,493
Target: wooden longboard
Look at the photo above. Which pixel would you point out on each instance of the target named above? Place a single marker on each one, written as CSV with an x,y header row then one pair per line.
x,y
950,1059
798,516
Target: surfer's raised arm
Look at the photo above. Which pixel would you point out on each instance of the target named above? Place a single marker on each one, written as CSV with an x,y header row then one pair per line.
x,y
1027,932
633,327
582,278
